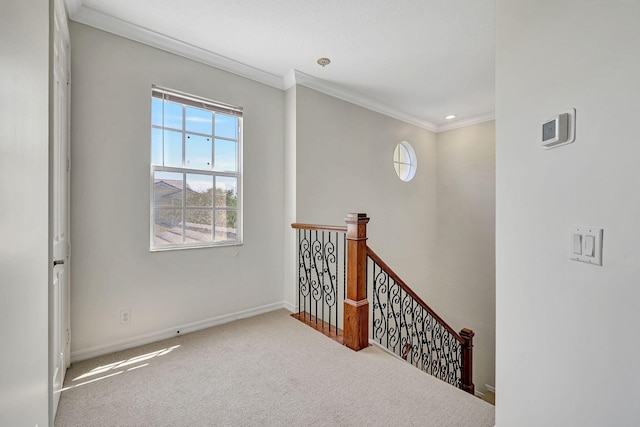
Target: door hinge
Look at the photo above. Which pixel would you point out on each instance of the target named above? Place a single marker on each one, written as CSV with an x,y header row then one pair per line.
x,y
68,336
68,164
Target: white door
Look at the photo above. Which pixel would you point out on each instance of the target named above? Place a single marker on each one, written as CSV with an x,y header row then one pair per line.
x,y
59,297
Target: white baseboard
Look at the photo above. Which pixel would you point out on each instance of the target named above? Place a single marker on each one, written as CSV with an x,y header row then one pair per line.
x,y
383,348
291,307
103,349
488,388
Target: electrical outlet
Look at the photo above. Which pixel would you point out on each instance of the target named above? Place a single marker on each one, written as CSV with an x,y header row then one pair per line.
x,y
125,316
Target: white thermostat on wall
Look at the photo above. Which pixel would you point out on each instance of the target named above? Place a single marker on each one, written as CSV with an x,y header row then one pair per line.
x,y
560,130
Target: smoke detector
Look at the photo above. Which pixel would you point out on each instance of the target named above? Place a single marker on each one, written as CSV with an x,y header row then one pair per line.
x,y
324,61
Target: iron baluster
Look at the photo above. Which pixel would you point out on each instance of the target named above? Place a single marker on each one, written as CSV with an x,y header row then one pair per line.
x,y
318,274
299,284
344,276
322,268
410,330
400,319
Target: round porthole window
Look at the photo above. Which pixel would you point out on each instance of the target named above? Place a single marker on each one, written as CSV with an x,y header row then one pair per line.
x,y
405,161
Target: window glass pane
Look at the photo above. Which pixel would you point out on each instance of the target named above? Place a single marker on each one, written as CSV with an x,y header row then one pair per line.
x,y
156,146
226,191
167,228
197,152
226,225
172,148
172,115
199,190
225,155
404,161
198,225
197,120
156,111
396,166
403,154
226,126
167,189
195,163
411,171
403,171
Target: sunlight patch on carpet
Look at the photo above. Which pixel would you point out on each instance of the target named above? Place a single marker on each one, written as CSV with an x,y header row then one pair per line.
x,y
122,363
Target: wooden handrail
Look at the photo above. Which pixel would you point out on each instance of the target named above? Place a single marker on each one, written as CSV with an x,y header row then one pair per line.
x,y
336,228
356,306
413,295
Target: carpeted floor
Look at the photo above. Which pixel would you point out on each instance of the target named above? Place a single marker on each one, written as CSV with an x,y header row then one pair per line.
x,y
268,370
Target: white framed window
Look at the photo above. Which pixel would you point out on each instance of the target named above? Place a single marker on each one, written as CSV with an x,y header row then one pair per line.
x,y
405,161
196,172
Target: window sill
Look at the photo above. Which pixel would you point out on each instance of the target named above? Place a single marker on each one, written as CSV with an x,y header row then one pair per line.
x,y
197,246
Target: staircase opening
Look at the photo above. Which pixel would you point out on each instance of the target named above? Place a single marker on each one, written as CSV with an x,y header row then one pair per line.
x,y
338,273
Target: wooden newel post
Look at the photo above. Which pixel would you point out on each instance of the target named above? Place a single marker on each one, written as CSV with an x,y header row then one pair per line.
x,y
356,306
467,360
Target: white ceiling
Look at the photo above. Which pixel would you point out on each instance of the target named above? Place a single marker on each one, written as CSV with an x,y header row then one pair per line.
x,y
417,60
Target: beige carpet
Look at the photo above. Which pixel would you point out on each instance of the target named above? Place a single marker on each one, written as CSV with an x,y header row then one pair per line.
x,y
269,370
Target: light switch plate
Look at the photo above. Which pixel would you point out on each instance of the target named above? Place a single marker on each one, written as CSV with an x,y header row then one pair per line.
x,y
596,234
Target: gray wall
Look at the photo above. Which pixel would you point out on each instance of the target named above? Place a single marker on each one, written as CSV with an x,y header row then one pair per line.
x,y
567,354
289,185
436,232
24,229
329,156
113,268
344,164
465,273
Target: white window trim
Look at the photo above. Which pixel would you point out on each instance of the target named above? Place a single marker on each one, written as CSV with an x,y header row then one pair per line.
x,y
412,163
224,109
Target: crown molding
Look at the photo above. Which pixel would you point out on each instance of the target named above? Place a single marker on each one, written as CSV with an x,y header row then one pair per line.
x,y
289,79
84,15
358,99
72,6
467,122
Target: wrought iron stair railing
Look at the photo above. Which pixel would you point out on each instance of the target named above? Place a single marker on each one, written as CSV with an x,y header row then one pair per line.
x,y
321,277
336,269
405,325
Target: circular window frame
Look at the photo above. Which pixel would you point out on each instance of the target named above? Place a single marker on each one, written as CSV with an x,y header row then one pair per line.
x,y
406,170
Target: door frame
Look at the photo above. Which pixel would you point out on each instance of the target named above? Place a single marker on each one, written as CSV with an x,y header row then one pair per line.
x,y
59,163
